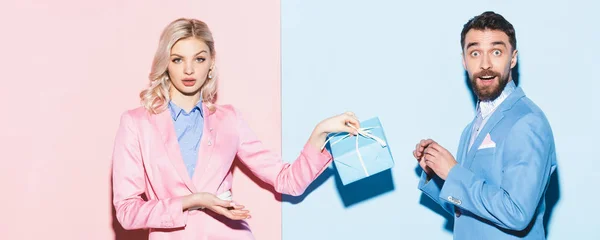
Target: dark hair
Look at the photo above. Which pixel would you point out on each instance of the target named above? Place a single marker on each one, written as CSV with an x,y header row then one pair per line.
x,y
492,21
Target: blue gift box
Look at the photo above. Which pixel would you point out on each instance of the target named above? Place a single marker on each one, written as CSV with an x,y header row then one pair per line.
x,y
358,157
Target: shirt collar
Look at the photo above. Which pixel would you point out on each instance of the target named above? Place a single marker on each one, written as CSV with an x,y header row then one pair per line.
x,y
176,110
487,107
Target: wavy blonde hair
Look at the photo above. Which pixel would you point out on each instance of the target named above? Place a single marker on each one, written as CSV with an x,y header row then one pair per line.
x,y
156,97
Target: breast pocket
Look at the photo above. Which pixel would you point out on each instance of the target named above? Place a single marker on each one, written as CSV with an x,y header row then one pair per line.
x,y
484,164
486,152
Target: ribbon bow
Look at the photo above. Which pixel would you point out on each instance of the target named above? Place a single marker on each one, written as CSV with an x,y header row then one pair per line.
x,y
365,132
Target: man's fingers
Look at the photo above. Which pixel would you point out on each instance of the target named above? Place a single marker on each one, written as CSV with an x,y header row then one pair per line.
x,y
419,150
422,143
423,165
429,158
430,164
430,151
431,154
437,147
417,155
426,142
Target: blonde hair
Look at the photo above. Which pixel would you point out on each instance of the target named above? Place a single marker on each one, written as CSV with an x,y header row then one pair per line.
x,y
156,97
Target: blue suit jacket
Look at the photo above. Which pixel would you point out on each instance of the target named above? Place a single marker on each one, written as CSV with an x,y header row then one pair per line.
x,y
498,192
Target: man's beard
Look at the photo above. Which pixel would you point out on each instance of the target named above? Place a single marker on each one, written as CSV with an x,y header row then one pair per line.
x,y
489,92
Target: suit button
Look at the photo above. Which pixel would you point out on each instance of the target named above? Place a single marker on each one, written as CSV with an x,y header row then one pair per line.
x,y
457,212
210,129
209,142
454,200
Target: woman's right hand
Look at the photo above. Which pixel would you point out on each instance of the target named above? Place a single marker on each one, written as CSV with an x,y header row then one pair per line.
x,y
346,122
211,202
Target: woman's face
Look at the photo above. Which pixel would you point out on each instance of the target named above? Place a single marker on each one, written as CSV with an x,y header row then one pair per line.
x,y
190,62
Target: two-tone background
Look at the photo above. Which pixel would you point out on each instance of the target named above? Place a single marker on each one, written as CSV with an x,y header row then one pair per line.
x,y
70,68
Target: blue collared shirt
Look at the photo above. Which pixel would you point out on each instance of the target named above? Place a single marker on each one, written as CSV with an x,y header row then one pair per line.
x,y
188,128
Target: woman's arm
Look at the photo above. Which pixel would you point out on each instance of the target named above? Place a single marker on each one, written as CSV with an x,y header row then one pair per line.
x,y
290,178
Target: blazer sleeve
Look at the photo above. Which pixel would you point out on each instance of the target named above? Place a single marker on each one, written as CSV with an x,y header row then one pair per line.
x,y
527,166
432,189
128,176
433,186
287,178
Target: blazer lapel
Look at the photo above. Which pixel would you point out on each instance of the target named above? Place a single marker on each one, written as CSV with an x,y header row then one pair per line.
x,y
165,125
464,146
207,144
491,123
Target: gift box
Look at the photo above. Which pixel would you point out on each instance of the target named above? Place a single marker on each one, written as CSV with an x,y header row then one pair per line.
x,y
358,157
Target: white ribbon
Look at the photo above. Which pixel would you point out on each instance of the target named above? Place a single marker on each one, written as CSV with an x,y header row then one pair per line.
x,y
365,132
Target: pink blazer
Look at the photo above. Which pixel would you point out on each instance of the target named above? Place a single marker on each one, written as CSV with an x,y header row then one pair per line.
x,y
147,160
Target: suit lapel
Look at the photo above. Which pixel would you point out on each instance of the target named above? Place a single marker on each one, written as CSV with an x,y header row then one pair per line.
x,y
164,123
464,146
491,123
207,144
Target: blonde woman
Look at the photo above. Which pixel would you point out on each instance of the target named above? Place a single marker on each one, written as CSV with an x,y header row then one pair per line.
x,y
178,148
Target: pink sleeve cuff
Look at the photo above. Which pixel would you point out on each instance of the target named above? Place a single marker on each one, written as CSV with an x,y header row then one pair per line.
x,y
316,157
175,217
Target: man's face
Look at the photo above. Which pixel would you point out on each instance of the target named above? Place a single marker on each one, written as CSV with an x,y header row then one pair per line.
x,y
488,57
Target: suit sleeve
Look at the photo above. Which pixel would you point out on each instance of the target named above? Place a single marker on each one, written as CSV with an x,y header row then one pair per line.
x,y
132,211
527,166
287,178
433,187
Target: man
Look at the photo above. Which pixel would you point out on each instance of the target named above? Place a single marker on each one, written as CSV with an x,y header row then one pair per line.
x,y
506,155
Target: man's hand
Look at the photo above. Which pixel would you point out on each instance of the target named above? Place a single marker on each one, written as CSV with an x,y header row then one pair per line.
x,y
418,154
438,159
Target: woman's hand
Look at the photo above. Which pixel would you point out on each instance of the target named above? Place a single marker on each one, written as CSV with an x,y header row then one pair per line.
x,y
346,122
211,202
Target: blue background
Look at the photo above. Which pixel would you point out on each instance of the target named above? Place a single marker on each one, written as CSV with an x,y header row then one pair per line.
x,y
401,61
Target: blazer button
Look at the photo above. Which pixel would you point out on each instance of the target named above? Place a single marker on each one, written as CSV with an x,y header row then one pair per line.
x,y
210,129
457,212
454,200
209,143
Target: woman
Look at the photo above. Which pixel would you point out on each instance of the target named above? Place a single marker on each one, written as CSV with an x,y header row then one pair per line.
x,y
178,148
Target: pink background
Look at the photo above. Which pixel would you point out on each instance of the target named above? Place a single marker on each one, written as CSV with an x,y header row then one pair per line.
x,y
70,68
